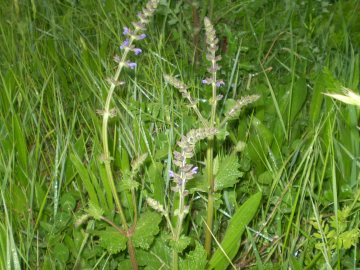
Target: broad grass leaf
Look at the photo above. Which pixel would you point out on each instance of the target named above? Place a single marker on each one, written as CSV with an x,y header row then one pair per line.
x,y
195,260
147,227
232,238
228,172
84,175
154,173
112,240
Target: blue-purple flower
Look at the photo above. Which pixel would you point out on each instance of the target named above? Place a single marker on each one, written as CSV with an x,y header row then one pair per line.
x,y
131,65
220,83
125,44
137,51
194,170
171,174
141,37
126,31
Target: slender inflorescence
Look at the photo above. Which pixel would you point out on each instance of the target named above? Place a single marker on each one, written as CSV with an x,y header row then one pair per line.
x,y
182,87
187,145
239,105
132,34
212,47
186,171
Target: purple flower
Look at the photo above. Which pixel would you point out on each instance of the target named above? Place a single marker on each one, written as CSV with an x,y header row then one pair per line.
x,y
171,174
131,65
137,51
204,81
125,44
126,31
220,83
141,37
194,170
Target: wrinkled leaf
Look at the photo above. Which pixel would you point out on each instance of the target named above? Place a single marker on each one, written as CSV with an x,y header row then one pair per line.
x,y
228,172
196,259
146,228
181,244
112,240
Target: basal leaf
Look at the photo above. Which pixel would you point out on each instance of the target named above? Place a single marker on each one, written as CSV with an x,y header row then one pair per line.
x,y
146,228
181,244
112,240
231,242
195,260
228,172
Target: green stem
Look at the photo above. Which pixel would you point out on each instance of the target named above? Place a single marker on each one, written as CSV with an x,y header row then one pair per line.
x,y
105,141
210,204
209,166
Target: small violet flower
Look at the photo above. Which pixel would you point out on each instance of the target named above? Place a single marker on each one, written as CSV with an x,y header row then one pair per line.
x,y
204,81
220,83
126,31
137,51
141,37
131,65
194,170
125,44
171,174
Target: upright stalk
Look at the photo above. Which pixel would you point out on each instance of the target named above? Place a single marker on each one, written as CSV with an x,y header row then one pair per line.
x,y
186,172
210,171
212,46
107,113
107,158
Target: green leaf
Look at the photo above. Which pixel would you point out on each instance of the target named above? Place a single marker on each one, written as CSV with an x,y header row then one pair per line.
x,y
128,184
196,259
231,242
146,228
61,252
228,172
124,265
95,211
84,175
181,244
112,240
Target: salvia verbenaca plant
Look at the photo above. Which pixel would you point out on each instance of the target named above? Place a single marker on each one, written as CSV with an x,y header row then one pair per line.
x,y
132,34
174,213
211,122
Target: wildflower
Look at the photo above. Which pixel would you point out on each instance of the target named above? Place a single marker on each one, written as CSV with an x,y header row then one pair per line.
x,y
171,174
194,170
126,31
220,83
131,65
141,37
125,44
137,51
